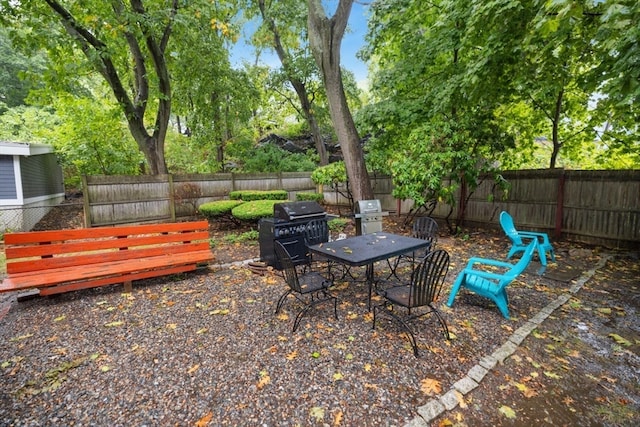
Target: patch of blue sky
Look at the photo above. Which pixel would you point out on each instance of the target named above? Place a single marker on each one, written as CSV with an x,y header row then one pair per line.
x,y
352,42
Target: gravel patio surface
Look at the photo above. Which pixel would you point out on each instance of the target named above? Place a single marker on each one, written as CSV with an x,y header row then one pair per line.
x,y
207,349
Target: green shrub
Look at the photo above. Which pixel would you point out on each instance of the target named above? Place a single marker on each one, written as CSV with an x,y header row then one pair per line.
x,y
251,195
271,158
338,224
253,211
312,197
331,174
218,208
250,236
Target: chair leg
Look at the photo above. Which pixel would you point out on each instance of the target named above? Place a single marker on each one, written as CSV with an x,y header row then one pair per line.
x,y
403,324
315,300
542,255
335,307
301,313
502,302
514,250
454,289
548,248
281,301
442,322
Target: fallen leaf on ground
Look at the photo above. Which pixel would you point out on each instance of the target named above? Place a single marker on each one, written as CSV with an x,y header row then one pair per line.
x,y
264,380
292,355
507,411
429,386
337,419
113,324
204,421
620,340
317,413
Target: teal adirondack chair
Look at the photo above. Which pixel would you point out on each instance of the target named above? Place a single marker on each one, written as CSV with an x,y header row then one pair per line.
x,y
491,285
518,245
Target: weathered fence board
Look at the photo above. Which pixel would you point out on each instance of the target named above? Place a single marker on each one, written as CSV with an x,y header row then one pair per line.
x,y
599,207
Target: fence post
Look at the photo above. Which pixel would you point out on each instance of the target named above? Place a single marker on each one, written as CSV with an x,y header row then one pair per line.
x,y
559,205
172,198
85,202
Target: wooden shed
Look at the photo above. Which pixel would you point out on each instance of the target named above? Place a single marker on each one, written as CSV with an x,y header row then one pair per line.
x,y
31,183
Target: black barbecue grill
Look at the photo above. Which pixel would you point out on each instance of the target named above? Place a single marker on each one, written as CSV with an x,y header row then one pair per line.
x,y
287,227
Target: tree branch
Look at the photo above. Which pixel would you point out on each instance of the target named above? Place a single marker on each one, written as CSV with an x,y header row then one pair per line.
x,y
88,43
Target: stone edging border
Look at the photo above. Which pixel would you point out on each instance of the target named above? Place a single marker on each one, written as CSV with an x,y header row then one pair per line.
x,y
448,401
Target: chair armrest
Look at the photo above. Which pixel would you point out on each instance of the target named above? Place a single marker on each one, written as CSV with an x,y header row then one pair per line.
x,y
487,275
487,261
534,235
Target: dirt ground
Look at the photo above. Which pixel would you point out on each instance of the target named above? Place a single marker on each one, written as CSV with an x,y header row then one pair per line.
x,y
579,367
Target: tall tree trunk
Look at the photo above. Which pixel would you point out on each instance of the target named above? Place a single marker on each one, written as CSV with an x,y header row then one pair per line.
x,y
134,106
316,135
298,85
555,136
325,38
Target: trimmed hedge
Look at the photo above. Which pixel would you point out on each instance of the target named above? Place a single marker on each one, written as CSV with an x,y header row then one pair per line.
x,y
253,211
311,197
338,224
218,208
251,195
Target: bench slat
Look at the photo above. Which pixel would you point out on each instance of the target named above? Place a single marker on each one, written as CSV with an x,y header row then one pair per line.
x,y
51,290
43,264
90,244
100,232
65,260
91,272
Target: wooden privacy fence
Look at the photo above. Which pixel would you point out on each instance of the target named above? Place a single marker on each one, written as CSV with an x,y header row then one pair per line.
x,y
122,199
598,207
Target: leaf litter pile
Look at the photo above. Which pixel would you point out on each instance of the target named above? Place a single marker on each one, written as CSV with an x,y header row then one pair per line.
x,y
207,349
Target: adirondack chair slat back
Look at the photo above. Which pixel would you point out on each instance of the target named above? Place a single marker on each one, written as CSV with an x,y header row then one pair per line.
x,y
524,261
506,221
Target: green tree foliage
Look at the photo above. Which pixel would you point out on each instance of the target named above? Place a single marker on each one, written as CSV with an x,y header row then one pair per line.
x,y
125,43
270,158
556,63
334,176
283,30
572,71
15,68
27,124
90,138
215,100
618,46
462,87
431,120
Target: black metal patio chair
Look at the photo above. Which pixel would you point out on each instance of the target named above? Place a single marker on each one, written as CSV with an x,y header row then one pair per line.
x,y
309,288
417,298
425,228
316,231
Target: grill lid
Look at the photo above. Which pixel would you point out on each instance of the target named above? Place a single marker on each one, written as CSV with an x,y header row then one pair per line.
x,y
369,209
369,206
297,210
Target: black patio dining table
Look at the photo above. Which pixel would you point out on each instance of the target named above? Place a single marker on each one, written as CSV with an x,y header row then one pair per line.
x,y
367,249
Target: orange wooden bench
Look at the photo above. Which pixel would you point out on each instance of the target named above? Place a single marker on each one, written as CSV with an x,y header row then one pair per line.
x,y
68,260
